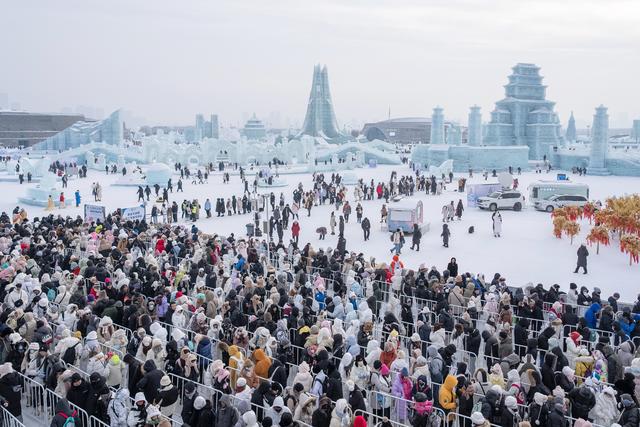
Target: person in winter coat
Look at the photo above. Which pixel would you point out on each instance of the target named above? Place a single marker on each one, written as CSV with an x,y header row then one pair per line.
x,y
227,415
117,409
150,382
583,253
204,414
168,396
446,395
605,412
63,412
78,391
591,315
416,237
10,390
402,388
380,382
539,410
496,219
322,416
582,401
262,364
341,416
445,235
366,228
630,414
138,414
510,414
556,417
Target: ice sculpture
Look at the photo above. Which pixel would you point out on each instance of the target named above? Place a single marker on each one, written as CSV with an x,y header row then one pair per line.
x,y
320,119
108,131
437,126
475,127
39,195
158,173
524,116
599,142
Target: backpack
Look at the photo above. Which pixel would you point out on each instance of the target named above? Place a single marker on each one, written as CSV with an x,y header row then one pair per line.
x,y
69,356
69,420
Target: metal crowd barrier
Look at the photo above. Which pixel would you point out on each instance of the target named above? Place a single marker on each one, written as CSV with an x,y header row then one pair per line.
x,y
7,419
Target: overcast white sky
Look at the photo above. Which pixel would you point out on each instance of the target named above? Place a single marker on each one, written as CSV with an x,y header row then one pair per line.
x,y
166,60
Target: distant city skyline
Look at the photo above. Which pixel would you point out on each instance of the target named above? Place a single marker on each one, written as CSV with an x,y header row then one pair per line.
x,y
406,55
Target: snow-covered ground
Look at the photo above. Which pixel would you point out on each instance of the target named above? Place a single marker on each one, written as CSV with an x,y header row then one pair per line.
x,y
527,251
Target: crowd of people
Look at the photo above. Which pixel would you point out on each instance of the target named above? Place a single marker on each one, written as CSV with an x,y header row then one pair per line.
x,y
143,324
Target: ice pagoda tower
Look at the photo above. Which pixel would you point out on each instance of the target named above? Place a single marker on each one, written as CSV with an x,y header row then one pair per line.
x,y
599,142
524,117
571,129
320,120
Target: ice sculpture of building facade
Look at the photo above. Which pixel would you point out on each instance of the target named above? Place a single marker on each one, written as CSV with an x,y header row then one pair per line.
x,y
524,117
320,119
600,156
108,131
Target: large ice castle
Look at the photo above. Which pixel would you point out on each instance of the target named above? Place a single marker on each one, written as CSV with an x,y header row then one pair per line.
x,y
524,116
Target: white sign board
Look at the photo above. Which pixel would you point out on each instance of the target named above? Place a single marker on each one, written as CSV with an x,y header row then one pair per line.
x,y
133,214
93,213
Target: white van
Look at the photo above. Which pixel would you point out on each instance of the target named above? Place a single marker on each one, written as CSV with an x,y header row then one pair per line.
x,y
543,190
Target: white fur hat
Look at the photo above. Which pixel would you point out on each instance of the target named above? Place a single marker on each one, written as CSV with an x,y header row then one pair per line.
x,y
199,403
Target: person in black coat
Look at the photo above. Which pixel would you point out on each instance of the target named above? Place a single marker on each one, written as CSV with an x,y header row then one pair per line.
x,y
491,407
78,392
556,415
10,388
548,370
583,253
630,415
96,403
150,382
278,373
204,416
582,401
135,373
520,336
188,399
257,399
452,267
416,237
321,417
561,359
356,400
334,383
366,228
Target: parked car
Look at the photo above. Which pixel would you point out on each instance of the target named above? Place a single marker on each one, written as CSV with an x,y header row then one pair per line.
x,y
560,201
502,200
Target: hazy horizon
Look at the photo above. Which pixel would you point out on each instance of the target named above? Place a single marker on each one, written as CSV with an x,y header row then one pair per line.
x,y
167,61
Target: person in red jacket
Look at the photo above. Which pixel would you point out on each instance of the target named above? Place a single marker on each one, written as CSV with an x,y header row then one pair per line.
x,y
295,231
160,246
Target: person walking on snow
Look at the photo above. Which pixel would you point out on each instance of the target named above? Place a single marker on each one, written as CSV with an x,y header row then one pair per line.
x,y
77,198
583,253
497,223
445,235
415,238
459,209
366,228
